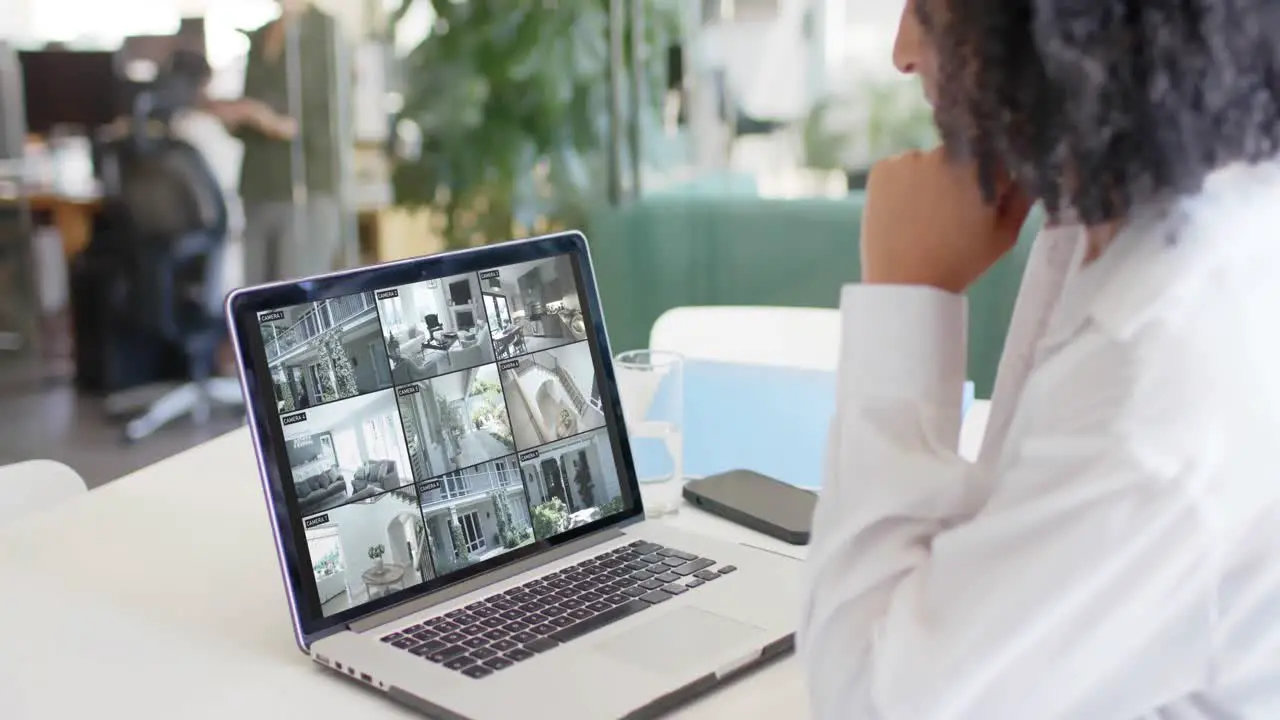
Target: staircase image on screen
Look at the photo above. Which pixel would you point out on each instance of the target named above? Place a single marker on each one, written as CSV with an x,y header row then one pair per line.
x,y
551,395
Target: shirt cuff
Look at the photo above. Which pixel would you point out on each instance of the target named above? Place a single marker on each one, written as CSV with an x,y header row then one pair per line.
x,y
903,341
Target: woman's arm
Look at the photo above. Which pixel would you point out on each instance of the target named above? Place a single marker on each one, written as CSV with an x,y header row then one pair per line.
x,y
1080,589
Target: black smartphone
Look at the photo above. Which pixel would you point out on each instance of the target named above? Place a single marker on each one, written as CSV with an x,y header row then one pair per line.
x,y
758,502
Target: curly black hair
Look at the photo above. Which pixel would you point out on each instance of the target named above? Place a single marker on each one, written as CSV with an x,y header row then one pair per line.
x,y
1100,106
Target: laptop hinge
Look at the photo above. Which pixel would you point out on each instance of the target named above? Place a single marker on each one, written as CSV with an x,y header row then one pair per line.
x,y
452,592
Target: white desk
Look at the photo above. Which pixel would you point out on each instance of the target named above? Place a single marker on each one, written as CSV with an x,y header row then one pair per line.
x,y
158,596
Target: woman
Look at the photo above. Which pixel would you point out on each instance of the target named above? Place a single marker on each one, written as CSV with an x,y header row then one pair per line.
x,y
1114,553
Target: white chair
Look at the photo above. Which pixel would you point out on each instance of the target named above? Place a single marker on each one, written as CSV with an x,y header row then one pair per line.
x,y
807,338
29,487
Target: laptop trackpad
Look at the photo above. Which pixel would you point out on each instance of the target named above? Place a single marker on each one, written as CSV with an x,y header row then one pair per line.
x,y
683,637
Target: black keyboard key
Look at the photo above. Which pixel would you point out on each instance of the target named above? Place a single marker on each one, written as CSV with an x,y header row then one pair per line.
x,y
498,663
619,572
511,614
446,627
641,575
413,629
391,638
668,577
543,629
653,559
453,637
522,598
571,604
652,584
460,662
673,562
590,597
504,645
707,575
541,645
610,563
676,589
634,592
637,565
465,619
515,626
692,567
433,622
608,617
568,592
476,671
502,604
562,621
445,653
599,606
695,582
429,647
496,634
453,614
669,552
560,583
534,618
473,629
625,582
493,622
478,605
519,654
657,596
532,583
646,548
542,590
575,576
485,612
636,543
616,599
406,642
475,642
727,569
524,638
580,614
425,635
484,653
554,610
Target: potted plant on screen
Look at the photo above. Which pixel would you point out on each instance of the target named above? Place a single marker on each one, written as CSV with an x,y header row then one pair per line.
x,y
375,554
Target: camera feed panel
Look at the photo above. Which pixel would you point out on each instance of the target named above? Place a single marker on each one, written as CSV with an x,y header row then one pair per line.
x,y
346,451
475,513
571,483
551,394
434,327
455,421
532,306
324,351
367,549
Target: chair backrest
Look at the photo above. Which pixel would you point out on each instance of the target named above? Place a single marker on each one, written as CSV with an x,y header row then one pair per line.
x,y
30,487
170,217
806,338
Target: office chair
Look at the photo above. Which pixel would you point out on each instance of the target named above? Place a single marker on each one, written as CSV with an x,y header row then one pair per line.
x,y
172,220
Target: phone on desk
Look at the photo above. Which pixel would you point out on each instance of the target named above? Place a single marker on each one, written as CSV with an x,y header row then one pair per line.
x,y
758,502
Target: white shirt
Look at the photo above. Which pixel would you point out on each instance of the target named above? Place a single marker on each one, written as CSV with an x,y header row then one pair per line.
x,y
1114,554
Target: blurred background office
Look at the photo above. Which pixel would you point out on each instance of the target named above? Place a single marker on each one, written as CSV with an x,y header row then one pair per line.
x,y
712,150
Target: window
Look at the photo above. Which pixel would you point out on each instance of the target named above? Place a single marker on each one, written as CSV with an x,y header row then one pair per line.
x,y
498,310
504,472
455,485
325,552
471,531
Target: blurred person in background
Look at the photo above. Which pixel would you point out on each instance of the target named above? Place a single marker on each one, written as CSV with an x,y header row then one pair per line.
x,y
287,236
1114,551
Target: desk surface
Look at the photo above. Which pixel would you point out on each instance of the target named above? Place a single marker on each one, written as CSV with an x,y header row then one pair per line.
x,y
159,596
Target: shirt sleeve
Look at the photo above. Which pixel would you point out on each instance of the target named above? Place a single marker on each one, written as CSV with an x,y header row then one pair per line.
x,y
1057,596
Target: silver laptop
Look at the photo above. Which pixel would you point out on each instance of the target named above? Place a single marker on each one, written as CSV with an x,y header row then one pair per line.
x,y
454,501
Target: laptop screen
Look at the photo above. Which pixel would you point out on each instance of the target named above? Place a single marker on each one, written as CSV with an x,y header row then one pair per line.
x,y
438,425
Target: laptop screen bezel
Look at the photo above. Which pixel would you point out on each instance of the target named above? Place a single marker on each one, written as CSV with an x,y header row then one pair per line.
x,y
243,308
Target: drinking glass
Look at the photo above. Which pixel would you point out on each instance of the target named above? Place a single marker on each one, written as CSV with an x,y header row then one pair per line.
x,y
651,383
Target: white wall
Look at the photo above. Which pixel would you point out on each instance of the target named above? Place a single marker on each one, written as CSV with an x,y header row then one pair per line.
x,y
576,360
361,526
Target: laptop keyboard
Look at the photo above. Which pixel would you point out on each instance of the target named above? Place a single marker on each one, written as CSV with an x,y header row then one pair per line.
x,y
512,626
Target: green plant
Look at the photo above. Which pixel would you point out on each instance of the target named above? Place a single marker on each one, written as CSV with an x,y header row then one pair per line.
x,y
550,518
460,552
511,102
612,507
825,147
377,551
334,356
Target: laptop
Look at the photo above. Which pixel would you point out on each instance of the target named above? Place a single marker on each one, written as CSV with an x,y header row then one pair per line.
x,y
454,502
